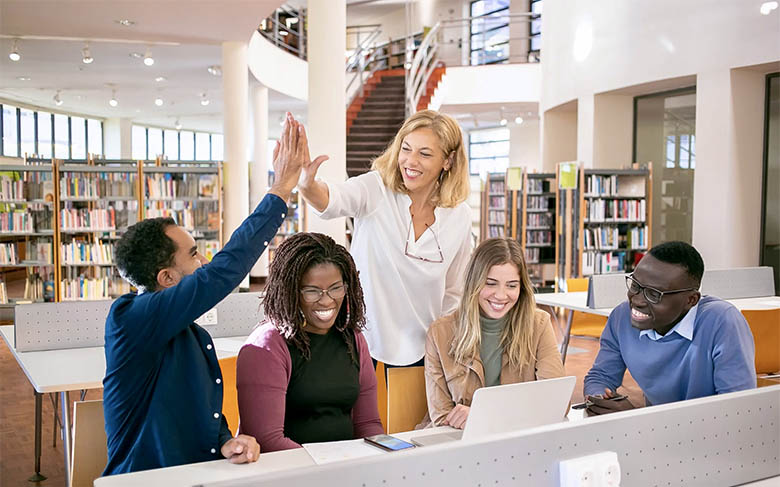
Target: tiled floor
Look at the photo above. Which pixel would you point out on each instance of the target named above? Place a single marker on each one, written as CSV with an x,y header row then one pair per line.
x,y
17,426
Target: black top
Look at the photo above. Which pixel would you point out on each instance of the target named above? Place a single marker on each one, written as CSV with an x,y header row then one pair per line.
x,y
322,390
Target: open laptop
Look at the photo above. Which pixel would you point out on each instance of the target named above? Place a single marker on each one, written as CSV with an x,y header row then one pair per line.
x,y
510,407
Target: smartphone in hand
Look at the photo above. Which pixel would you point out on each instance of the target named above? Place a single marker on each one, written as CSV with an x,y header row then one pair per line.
x,y
588,403
388,443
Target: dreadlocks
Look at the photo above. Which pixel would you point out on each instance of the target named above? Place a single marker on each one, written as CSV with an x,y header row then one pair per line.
x,y
296,255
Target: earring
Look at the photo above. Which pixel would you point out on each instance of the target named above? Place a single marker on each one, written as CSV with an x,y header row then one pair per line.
x,y
346,320
303,317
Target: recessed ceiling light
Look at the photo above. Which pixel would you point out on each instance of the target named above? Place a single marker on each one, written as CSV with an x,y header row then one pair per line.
x,y
177,124
767,7
14,54
204,100
160,79
23,78
158,101
125,22
215,70
57,99
137,55
518,120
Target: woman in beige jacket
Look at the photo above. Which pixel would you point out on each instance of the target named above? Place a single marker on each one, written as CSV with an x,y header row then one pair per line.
x,y
496,336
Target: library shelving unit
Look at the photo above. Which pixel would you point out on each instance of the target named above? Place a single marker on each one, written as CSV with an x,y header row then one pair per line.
x,y
190,193
494,208
392,54
27,237
96,202
605,223
537,206
293,221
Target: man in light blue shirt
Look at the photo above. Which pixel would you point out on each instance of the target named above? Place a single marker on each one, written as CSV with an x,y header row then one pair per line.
x,y
677,344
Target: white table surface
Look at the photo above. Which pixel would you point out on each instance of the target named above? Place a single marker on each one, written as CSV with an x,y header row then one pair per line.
x,y
80,368
578,302
223,470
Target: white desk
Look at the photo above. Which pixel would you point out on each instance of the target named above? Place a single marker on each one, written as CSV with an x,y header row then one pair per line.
x,y
579,302
74,369
223,470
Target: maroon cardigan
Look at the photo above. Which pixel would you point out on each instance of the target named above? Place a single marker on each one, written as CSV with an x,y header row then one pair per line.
x,y
263,373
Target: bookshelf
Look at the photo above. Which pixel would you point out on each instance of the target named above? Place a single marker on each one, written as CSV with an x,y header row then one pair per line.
x,y
292,222
607,220
59,220
27,237
493,214
392,54
537,204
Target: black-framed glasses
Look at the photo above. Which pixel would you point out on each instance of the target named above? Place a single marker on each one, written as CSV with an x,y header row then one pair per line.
x,y
313,294
424,259
652,295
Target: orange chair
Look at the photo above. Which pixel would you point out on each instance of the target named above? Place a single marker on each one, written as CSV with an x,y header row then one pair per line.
x,y
381,394
584,324
765,326
406,401
230,393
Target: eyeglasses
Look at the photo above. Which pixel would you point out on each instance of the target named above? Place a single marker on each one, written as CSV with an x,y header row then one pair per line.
x,y
312,295
651,294
424,259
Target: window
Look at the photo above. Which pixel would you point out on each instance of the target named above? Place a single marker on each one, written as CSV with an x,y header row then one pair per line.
x,y
202,146
665,131
138,139
155,141
78,138
488,151
95,136
536,28
27,126
171,145
10,132
217,148
489,34
770,215
44,135
187,145
61,137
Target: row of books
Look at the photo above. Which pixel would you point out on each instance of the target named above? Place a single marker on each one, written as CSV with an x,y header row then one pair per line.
x,y
539,202
601,238
496,186
78,186
497,202
538,186
208,248
539,237
38,287
532,255
76,253
496,217
84,288
599,210
596,185
169,186
18,221
539,220
11,189
603,263
86,219
97,185
32,252
495,231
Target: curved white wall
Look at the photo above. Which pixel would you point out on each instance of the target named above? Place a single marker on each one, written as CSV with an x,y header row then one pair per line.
x,y
593,47
277,69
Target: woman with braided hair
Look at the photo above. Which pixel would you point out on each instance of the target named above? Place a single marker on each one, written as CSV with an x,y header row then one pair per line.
x,y
305,375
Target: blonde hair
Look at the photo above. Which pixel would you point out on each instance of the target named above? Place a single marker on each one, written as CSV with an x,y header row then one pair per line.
x,y
453,187
516,338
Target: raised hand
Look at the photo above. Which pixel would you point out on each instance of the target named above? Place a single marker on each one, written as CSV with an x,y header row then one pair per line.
x,y
288,158
309,170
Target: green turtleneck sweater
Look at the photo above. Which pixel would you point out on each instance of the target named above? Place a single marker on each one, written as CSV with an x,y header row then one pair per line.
x,y
490,349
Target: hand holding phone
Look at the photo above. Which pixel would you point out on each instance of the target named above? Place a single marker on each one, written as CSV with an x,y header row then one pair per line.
x,y
610,402
388,443
588,403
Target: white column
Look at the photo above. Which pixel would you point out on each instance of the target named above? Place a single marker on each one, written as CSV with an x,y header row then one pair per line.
x,y
519,29
327,127
117,138
727,181
259,164
235,86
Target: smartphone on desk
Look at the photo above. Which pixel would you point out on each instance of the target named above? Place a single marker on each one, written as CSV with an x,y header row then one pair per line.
x,y
587,403
388,443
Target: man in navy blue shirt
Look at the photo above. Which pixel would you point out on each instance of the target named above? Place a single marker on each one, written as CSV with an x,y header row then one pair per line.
x,y
676,343
162,396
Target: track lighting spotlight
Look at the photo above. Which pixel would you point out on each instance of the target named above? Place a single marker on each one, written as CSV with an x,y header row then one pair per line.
x,y
86,56
204,100
113,101
148,59
14,55
57,99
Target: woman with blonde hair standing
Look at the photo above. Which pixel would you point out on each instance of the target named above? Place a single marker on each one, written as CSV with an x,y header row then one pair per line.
x,y
412,236
497,336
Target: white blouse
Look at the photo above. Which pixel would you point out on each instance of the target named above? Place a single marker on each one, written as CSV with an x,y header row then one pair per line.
x,y
404,295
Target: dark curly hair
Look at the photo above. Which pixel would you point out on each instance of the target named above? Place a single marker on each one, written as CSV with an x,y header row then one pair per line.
x,y
143,250
296,255
682,254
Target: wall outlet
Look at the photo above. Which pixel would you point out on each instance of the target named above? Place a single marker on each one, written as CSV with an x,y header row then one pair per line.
x,y
597,470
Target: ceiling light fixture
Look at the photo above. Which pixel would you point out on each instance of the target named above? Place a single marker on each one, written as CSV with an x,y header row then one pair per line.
x,y
14,54
158,101
767,7
518,120
136,55
282,33
160,79
57,100
23,78
204,100
125,22
113,101
503,122
86,56
177,124
215,70
148,59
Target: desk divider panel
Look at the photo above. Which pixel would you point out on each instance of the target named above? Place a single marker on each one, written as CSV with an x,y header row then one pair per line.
x,y
606,290
739,282
721,440
79,324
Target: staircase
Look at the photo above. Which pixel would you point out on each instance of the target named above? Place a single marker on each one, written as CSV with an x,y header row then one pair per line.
x,y
374,119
